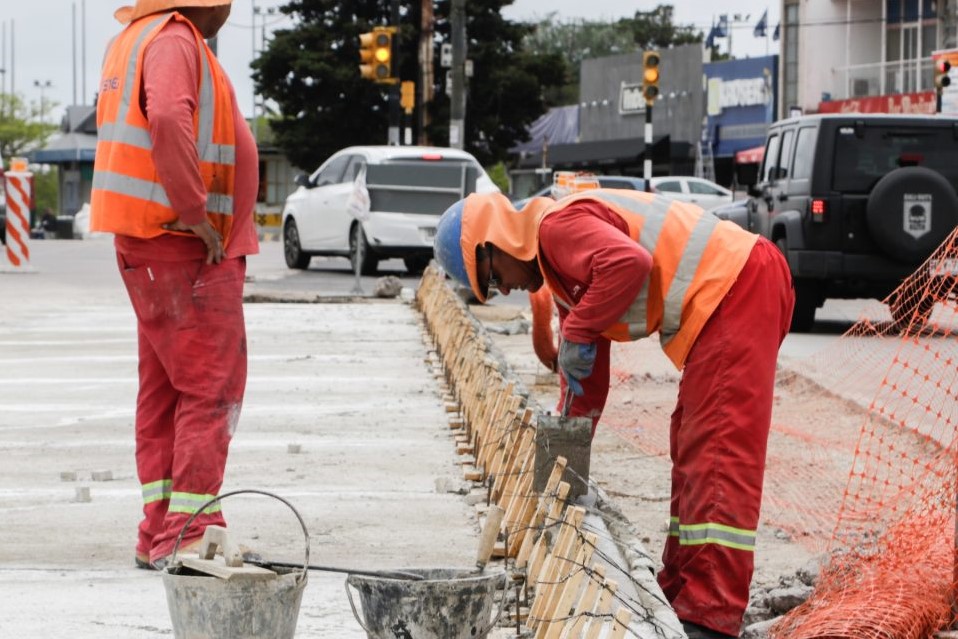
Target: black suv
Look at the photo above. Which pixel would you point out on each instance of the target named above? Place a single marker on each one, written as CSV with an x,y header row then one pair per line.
x,y
857,203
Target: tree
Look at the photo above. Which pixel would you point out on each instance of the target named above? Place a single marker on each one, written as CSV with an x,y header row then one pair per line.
x,y
655,29
510,86
311,72
22,128
577,40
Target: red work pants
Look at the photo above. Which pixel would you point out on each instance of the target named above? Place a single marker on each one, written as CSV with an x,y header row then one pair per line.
x,y
192,373
719,435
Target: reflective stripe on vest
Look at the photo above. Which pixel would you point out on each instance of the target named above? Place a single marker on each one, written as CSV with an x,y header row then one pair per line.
x,y
128,197
696,258
157,490
712,533
154,191
657,211
190,503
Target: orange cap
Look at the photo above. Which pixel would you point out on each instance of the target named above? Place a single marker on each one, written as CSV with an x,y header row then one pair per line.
x,y
146,7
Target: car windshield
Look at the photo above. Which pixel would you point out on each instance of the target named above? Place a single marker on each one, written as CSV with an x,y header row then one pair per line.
x,y
861,161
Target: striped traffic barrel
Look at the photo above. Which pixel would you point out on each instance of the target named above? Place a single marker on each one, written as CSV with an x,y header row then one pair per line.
x,y
18,218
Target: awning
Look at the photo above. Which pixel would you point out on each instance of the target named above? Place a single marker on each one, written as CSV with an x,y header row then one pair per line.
x,y
595,153
750,156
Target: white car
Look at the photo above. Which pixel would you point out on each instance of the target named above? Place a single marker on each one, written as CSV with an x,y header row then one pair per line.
x,y
320,218
704,193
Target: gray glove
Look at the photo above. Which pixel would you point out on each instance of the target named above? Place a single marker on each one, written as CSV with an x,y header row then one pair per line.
x,y
576,361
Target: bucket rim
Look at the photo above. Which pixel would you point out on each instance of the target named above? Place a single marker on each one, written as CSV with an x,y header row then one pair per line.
x,y
475,575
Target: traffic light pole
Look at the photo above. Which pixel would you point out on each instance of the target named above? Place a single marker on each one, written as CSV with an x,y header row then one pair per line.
x,y
647,168
395,114
457,106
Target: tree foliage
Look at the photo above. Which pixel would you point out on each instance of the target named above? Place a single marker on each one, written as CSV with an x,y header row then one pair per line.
x,y
510,87
578,39
311,72
22,126
656,30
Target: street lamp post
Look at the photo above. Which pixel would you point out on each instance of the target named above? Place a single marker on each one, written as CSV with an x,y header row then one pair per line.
x,y
43,86
257,11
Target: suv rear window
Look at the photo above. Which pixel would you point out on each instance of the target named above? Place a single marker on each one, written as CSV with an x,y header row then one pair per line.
x,y
861,161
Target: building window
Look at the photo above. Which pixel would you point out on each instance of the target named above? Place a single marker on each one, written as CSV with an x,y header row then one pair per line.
x,y
911,35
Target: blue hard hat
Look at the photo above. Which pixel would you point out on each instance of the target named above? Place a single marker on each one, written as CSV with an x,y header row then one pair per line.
x,y
447,245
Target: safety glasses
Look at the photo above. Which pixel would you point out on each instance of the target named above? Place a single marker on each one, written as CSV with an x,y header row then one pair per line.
x,y
492,282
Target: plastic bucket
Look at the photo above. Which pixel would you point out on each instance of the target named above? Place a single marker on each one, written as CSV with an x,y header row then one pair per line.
x,y
206,607
445,604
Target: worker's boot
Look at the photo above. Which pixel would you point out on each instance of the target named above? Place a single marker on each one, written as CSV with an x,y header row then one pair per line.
x,y
695,631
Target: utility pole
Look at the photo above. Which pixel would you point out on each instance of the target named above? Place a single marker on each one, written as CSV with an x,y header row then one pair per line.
x,y
253,84
74,53
83,51
427,68
457,109
395,114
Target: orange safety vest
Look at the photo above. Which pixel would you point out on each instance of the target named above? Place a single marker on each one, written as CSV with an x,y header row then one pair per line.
x,y
127,197
696,258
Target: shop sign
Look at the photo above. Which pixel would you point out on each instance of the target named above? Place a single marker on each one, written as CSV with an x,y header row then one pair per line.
x,y
730,94
923,102
631,101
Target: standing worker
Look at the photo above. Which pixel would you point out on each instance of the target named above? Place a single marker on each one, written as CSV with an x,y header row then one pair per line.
x,y
623,265
175,180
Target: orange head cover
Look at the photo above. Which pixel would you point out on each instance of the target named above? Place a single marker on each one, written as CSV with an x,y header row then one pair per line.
x,y
482,218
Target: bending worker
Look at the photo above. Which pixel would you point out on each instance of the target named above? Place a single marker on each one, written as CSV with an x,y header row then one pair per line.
x,y
623,265
175,179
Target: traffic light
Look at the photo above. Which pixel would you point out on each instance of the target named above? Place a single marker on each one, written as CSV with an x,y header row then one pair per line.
x,y
650,76
942,79
407,96
376,55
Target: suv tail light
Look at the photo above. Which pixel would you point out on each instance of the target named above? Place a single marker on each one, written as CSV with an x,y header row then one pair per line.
x,y
431,157
818,207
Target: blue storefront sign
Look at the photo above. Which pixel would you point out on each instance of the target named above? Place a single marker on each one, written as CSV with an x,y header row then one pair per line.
x,y
740,102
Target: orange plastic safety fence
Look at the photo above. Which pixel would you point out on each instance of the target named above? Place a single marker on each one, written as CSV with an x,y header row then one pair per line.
x,y
892,563
871,476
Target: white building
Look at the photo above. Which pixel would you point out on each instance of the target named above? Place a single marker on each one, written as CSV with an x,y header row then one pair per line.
x,y
837,50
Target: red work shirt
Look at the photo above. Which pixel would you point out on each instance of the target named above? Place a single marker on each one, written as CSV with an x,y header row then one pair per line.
x,y
601,269
171,72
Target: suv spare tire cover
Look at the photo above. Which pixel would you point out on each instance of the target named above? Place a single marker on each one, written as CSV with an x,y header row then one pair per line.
x,y
910,212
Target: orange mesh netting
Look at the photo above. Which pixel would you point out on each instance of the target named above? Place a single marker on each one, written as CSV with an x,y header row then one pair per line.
x,y
861,462
891,571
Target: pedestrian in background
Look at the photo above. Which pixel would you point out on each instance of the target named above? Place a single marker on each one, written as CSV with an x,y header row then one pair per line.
x,y
621,266
175,179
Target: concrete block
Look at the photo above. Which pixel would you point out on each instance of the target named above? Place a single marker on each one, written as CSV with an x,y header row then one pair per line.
x,y
102,475
68,475
82,495
294,449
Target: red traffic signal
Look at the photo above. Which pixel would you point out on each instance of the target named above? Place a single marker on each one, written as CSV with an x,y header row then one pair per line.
x,y
942,78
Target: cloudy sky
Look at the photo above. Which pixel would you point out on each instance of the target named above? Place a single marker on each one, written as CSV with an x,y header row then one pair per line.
x,y
44,55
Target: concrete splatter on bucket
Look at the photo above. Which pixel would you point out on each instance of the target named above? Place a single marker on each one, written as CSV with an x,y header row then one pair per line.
x,y
211,608
247,603
445,604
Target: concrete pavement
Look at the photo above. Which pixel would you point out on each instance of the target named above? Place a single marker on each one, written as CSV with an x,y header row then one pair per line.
x,y
375,480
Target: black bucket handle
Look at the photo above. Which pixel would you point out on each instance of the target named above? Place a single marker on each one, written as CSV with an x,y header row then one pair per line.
x,y
255,491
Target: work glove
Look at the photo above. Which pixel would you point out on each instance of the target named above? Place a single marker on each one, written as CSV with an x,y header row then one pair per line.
x,y
576,361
